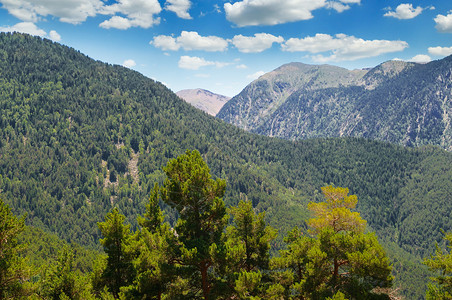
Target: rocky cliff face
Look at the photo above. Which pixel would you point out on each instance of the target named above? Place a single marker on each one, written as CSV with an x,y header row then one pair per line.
x,y
205,100
260,99
399,102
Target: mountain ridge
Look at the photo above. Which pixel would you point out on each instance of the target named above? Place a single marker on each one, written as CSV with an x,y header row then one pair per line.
x,y
203,99
275,87
79,137
399,102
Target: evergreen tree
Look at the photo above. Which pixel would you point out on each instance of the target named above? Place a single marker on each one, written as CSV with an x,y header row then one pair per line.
x,y
441,262
63,281
13,270
248,250
198,198
250,233
118,271
338,257
153,249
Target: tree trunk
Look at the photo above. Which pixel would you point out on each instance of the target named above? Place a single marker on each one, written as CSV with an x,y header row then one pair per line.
x,y
205,281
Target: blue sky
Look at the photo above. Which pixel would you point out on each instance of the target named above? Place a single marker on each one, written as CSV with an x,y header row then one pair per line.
x,y
222,46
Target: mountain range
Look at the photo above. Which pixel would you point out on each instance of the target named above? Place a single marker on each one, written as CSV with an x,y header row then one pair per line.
x,y
79,137
399,102
205,100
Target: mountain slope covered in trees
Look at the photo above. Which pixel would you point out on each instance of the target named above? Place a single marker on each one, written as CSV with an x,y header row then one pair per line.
x,y
404,103
78,136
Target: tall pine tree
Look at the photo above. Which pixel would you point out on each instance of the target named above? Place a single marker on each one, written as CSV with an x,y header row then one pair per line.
x,y
202,217
118,271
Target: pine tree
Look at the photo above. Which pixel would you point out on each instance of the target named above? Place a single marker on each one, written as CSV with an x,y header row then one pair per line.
x,y
198,198
63,281
248,250
153,251
338,257
250,232
118,271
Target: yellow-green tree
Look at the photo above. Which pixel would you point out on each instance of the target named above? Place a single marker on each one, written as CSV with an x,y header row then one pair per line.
x,y
335,212
338,256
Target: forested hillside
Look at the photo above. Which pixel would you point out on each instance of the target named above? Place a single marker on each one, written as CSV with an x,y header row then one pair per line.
x,y
398,102
78,137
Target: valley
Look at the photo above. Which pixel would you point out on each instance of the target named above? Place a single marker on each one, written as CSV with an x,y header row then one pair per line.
x,y
79,137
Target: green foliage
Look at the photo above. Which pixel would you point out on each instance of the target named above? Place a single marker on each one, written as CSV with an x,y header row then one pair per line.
x,y
250,236
117,272
13,269
154,249
441,262
69,122
248,241
340,257
202,215
62,281
43,248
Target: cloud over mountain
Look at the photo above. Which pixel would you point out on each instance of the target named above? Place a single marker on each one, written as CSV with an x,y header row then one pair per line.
x,y
341,47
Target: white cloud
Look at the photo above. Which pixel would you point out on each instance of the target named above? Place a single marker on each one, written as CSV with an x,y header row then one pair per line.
x,y
256,75
25,27
31,28
129,63
338,6
241,66
190,40
54,36
180,7
405,11
194,63
116,22
69,11
342,47
165,43
318,43
124,13
137,13
258,43
444,23
272,12
440,51
421,58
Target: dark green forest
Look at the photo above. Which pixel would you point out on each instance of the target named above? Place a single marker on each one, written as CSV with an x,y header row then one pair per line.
x,y
79,137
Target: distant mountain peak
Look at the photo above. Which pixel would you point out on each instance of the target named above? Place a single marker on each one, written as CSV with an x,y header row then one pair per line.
x,y
205,100
262,97
397,101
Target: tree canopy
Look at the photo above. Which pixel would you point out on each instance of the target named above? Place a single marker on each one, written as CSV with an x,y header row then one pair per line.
x,y
339,256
